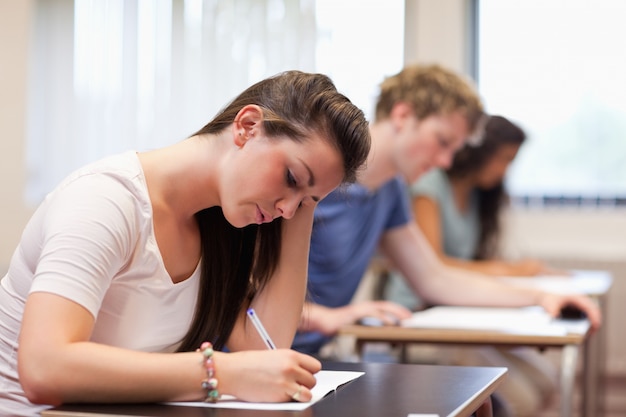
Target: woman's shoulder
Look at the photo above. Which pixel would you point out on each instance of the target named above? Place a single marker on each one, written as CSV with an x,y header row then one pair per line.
x,y
432,184
113,188
121,165
120,173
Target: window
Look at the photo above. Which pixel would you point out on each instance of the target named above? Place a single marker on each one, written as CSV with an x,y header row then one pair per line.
x,y
557,68
113,75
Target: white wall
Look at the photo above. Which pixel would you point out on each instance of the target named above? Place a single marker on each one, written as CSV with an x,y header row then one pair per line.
x,y
15,23
436,32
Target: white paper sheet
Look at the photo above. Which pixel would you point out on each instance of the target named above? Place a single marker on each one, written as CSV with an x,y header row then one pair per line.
x,y
327,381
527,320
587,282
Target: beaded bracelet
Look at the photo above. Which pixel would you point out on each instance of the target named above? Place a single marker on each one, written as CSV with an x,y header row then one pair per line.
x,y
210,383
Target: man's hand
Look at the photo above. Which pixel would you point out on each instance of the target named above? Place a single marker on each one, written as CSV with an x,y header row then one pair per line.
x,y
328,320
554,303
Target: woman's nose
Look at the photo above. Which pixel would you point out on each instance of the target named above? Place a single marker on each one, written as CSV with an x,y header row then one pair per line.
x,y
287,206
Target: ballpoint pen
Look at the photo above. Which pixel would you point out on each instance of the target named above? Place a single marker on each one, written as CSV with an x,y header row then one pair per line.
x,y
259,327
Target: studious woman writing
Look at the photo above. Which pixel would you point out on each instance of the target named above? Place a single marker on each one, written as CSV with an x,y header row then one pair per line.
x,y
138,269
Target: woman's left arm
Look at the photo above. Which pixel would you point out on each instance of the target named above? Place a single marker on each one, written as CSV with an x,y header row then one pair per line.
x,y
279,305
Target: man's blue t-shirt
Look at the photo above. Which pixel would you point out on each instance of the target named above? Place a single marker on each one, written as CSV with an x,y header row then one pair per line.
x,y
460,231
347,229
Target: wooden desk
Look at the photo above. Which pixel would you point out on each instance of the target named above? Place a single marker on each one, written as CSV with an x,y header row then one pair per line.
x,y
569,343
390,390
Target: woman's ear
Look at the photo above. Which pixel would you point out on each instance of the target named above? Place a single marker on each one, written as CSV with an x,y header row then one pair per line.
x,y
247,123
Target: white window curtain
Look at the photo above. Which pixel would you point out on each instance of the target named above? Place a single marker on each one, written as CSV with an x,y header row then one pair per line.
x,y
112,75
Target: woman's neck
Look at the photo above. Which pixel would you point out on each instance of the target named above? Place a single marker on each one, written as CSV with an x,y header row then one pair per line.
x,y
183,177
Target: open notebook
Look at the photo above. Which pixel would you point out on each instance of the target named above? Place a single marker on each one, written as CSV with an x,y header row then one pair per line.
x,y
327,381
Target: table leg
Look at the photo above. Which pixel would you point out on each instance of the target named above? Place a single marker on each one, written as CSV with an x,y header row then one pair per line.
x,y
594,370
485,409
358,347
589,376
404,356
569,358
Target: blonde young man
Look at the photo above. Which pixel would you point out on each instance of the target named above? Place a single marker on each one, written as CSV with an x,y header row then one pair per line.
x,y
424,114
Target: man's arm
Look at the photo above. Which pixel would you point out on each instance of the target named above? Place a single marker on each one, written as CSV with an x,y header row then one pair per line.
x,y
437,283
427,212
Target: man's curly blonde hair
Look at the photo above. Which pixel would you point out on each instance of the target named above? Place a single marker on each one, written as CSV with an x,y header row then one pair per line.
x,y
430,89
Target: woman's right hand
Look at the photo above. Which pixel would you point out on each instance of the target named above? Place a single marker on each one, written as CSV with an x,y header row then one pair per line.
x,y
267,375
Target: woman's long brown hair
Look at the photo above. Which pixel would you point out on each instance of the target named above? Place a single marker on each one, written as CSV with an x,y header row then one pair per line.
x,y
499,131
238,262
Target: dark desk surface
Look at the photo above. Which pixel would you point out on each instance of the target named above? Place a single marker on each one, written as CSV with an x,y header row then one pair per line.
x,y
385,390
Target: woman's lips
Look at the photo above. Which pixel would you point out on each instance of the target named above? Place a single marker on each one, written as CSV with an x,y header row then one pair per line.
x,y
261,216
